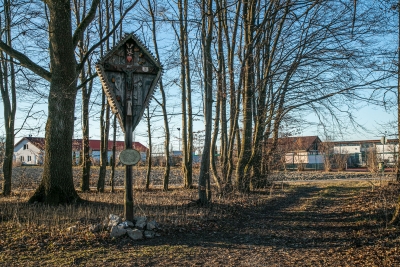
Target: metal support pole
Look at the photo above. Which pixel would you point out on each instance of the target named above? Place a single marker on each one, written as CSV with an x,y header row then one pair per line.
x,y
128,198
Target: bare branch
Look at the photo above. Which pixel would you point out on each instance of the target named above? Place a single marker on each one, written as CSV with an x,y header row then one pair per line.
x,y
85,22
81,64
86,81
25,61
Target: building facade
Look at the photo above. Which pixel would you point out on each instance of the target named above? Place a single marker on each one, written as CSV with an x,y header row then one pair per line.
x,y
31,150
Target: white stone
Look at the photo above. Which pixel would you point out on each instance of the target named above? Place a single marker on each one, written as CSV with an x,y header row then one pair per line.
x,y
114,220
135,234
127,224
117,231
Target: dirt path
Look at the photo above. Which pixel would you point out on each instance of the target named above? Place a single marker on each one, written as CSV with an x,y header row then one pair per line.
x,y
311,225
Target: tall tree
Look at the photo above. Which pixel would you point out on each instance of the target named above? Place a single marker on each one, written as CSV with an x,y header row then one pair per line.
x,y
206,41
234,96
163,102
9,96
249,13
188,171
104,21
57,181
187,120
80,9
150,150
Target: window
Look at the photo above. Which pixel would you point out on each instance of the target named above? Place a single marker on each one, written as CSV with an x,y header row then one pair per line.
x,y
21,158
25,146
29,158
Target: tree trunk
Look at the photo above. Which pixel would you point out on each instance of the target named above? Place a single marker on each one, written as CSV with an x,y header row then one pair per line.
x,y
7,86
396,215
57,184
113,163
85,139
189,150
149,151
242,179
214,138
398,96
163,107
184,81
207,29
84,159
105,127
233,93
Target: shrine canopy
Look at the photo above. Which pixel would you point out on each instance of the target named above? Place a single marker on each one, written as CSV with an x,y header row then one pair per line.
x,y
129,73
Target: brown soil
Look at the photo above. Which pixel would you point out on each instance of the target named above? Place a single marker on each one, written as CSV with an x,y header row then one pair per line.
x,y
337,223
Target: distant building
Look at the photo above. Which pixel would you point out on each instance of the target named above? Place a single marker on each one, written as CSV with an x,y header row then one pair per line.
x,y
358,150
31,150
301,152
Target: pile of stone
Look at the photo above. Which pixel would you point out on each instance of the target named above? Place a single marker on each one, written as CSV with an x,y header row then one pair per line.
x,y
140,228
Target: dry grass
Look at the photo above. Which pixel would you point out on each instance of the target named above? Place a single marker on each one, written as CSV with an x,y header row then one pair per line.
x,y
334,223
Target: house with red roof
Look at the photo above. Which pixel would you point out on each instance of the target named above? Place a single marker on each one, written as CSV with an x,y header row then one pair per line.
x,y
30,150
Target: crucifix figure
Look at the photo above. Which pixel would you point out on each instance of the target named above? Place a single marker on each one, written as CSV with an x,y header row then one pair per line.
x,y
129,74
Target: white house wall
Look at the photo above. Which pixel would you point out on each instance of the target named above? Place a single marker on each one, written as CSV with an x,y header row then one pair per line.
x,y
303,158
387,152
346,149
389,148
30,155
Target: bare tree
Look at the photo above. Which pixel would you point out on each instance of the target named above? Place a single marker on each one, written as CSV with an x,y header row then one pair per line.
x,y
242,171
150,150
9,96
206,40
86,91
57,183
163,103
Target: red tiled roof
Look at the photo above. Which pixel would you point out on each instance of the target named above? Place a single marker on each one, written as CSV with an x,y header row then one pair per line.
x,y
120,145
293,143
39,142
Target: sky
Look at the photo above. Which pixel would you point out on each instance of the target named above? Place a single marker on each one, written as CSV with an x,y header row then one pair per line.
x,y
373,121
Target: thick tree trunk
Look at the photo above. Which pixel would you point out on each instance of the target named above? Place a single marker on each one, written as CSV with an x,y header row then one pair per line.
x,y
7,87
8,157
57,184
242,178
